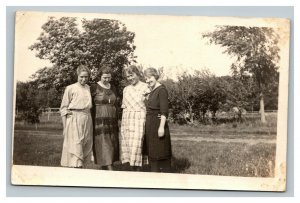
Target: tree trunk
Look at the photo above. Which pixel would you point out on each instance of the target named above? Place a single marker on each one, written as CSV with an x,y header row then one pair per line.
x,y
191,114
203,116
262,108
240,114
214,118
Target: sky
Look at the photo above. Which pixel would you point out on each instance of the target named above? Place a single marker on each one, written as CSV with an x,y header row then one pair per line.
x,y
172,42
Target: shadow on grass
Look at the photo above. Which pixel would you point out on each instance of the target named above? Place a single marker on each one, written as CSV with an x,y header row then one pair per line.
x,y
178,165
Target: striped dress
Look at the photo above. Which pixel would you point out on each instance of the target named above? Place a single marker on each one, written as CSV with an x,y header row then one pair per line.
x,y
133,124
106,131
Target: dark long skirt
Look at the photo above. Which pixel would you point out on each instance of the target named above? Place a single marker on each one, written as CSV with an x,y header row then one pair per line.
x,y
156,148
106,133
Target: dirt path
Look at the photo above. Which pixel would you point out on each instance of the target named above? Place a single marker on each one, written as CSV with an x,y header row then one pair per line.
x,y
251,141
237,140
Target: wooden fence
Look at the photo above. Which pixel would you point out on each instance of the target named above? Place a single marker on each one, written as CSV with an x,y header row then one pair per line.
x,y
50,111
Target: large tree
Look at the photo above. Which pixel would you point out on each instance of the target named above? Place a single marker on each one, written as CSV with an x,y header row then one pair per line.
x,y
211,92
196,94
182,94
95,43
256,53
240,93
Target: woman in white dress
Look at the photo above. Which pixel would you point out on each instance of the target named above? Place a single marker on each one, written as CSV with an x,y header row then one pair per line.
x,y
133,119
77,122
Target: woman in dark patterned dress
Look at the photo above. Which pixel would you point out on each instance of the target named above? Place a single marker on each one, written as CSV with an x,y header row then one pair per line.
x,y
105,122
157,135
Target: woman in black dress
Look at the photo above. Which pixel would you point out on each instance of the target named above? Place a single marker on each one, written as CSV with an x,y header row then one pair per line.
x,y
157,134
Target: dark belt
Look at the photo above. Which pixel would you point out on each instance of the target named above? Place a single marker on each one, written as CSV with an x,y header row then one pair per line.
x,y
153,113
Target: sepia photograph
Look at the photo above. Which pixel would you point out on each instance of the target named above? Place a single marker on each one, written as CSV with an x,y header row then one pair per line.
x,y
150,101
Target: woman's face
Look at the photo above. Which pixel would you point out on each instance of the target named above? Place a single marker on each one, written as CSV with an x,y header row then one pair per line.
x,y
151,81
83,77
106,78
133,78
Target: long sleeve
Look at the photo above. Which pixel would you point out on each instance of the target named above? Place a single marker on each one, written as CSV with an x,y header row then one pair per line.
x,y
163,102
65,102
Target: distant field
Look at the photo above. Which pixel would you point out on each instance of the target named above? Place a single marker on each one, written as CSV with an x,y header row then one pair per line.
x,y
231,149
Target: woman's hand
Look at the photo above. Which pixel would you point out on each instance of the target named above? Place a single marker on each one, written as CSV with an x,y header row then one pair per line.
x,y
161,132
161,129
145,96
69,112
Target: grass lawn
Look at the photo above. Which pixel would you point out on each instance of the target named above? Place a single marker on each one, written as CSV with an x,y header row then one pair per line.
x,y
43,148
227,159
229,149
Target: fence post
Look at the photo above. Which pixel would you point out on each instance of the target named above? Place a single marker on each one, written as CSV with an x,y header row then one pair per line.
x,y
49,113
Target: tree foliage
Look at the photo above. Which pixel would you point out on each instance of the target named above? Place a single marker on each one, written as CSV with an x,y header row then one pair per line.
x,y
27,105
195,94
256,51
255,47
96,43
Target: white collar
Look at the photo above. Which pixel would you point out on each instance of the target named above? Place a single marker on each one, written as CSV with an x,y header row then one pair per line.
x,y
156,87
102,85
